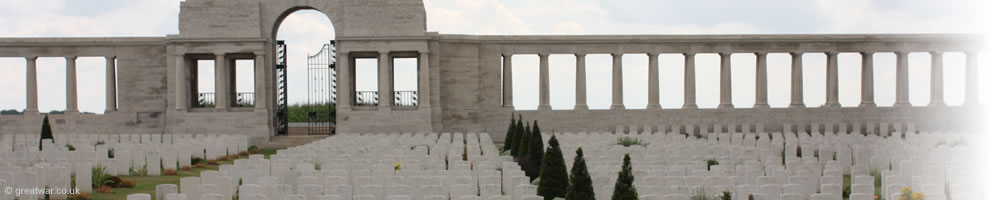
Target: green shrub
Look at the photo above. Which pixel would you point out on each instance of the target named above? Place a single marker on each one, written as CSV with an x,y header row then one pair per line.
x,y
70,147
726,195
99,176
300,112
711,162
196,160
515,145
113,181
629,141
554,180
525,139
510,134
580,185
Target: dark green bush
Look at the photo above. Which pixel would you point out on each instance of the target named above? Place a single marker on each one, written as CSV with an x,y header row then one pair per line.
x,y
554,180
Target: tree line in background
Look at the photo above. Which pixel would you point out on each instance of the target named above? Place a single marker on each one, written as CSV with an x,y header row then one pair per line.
x,y
547,169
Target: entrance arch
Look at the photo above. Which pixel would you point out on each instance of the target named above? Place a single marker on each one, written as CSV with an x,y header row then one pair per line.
x,y
305,75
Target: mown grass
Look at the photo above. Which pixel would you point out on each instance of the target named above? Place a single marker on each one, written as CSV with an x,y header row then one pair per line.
x,y
147,184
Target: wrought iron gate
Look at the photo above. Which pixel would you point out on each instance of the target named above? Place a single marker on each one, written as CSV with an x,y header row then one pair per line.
x,y
281,65
322,98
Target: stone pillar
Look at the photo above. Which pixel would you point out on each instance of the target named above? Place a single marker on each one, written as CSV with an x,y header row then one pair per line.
x,y
937,80
31,82
181,89
689,81
761,80
260,86
111,91
616,82
385,95
581,82
221,82
345,81
867,80
971,78
902,79
543,82
508,82
797,101
654,82
832,93
725,81
71,100
424,83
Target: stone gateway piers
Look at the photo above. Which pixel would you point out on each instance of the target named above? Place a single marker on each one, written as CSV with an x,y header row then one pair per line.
x,y
465,81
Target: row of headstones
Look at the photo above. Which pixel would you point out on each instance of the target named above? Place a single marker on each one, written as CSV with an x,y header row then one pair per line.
x,y
56,176
882,129
26,142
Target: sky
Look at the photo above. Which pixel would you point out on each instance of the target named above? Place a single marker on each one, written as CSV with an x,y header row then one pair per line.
x,y
306,31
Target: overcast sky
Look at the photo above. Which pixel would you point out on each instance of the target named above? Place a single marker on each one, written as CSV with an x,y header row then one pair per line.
x,y
306,31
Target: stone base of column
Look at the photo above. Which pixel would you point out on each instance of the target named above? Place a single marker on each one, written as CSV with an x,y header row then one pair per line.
x,y
936,104
654,106
618,107
35,112
867,105
581,107
726,106
110,111
690,106
905,104
72,112
544,107
797,105
831,105
761,106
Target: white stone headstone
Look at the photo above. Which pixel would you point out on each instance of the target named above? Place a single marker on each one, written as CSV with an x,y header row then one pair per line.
x,y
162,190
153,163
83,176
138,197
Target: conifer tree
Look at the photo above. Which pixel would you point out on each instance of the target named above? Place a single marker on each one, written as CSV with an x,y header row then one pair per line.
x,y
515,143
536,150
580,185
624,189
554,180
510,133
525,140
46,132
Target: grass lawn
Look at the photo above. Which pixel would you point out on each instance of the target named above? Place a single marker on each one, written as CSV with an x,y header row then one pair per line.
x,y
147,184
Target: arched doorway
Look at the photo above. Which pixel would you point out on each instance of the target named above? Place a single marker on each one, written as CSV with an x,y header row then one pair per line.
x,y
305,73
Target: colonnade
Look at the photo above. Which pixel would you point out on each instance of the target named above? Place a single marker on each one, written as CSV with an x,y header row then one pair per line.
x,y
760,91
72,107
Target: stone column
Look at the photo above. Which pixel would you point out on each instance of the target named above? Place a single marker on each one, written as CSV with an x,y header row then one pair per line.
x,y
581,82
616,82
937,80
902,79
260,86
31,82
654,82
385,95
508,82
797,101
867,80
221,82
71,100
181,89
971,78
543,82
832,93
689,81
424,83
111,91
725,81
761,80
345,81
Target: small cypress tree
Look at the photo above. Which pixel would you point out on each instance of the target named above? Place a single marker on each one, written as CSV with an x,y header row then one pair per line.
x,y
624,189
515,143
554,180
525,140
510,133
580,185
46,132
536,150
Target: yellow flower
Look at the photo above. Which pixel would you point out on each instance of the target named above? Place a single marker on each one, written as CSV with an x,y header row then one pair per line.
x,y
398,166
918,196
